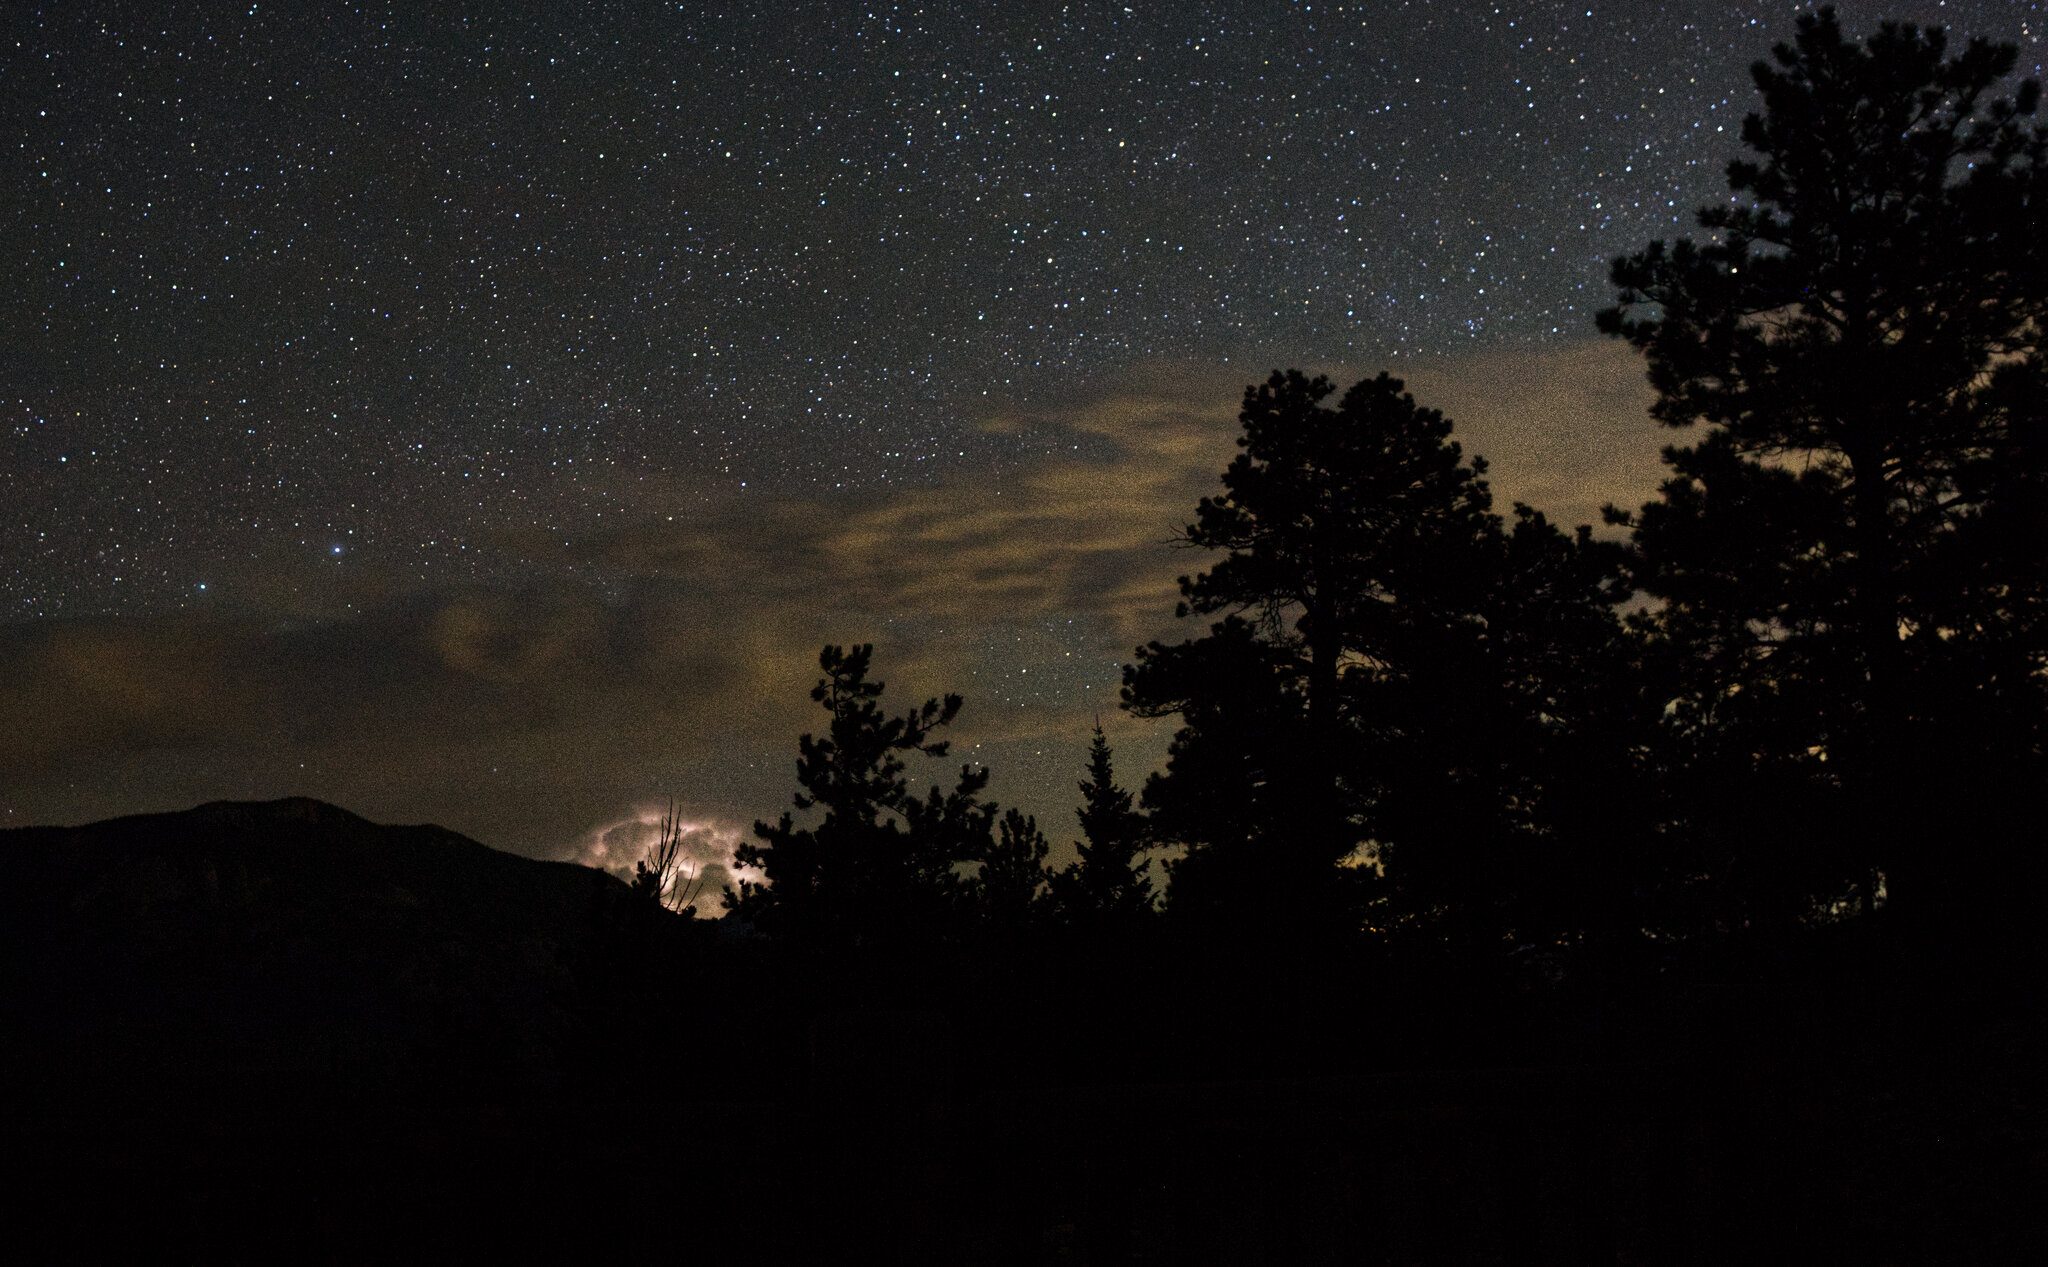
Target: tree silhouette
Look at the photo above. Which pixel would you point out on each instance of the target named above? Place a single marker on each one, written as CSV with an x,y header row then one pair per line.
x,y
1107,885
1224,794
1861,332
665,877
1400,680
1011,887
1349,524
1356,543
1507,790
880,862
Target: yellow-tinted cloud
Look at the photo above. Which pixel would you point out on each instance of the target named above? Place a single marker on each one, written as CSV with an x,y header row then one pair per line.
x,y
1565,428
69,689
674,652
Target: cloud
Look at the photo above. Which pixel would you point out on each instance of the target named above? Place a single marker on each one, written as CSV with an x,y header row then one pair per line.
x,y
674,651
514,716
706,866
69,690
1566,428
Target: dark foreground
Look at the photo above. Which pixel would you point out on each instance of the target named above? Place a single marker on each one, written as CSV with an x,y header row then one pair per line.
x,y
279,1032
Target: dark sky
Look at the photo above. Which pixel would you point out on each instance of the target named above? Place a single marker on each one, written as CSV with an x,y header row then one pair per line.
x,y
481,413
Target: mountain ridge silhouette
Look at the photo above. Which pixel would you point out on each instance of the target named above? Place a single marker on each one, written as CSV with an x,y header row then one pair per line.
x,y
289,944
278,1025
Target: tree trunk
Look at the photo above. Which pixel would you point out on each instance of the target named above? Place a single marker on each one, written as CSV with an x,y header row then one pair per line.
x,y
1879,748
1325,810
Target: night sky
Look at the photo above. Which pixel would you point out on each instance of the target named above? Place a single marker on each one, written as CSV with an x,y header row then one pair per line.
x,y
480,414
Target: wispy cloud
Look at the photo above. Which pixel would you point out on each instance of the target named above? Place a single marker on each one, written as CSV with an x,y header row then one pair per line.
x,y
675,650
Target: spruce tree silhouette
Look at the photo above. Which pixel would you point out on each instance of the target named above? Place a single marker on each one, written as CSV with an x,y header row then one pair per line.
x,y
1859,331
880,863
1107,886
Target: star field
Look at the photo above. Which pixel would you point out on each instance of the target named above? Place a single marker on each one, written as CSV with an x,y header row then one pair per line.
x,y
314,310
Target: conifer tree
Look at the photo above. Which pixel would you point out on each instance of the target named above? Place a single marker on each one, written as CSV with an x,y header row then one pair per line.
x,y
880,862
1352,540
1011,888
1346,531
1398,680
1852,331
1107,885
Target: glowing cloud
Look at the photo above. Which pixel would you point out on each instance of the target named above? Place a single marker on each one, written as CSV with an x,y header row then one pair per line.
x,y
706,860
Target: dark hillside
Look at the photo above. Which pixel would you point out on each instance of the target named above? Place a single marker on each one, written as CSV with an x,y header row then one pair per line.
x,y
300,940
252,1004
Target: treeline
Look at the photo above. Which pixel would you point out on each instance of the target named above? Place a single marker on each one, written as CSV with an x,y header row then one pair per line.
x,y
1806,681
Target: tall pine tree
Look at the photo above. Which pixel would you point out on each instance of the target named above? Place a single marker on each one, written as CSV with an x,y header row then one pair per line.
x,y
1854,331
1398,678
1355,543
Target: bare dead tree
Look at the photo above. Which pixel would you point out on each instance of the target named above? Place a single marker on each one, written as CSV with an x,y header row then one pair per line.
x,y
666,876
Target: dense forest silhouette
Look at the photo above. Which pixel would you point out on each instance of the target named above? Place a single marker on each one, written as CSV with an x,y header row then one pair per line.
x,y
1661,892
1804,682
